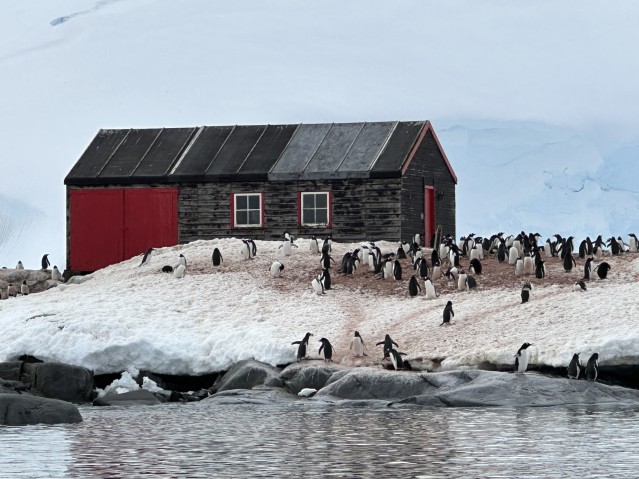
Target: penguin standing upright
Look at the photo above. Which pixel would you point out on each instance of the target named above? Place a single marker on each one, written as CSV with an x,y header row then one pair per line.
x,y
592,368
521,359
569,262
513,255
328,350
245,250
633,246
528,265
24,288
253,248
525,292
475,266
19,265
396,358
519,267
588,267
325,279
431,293
287,246
602,270
45,262
182,260
301,350
146,259
574,369
313,245
388,345
11,290
413,286
448,313
540,267
216,257
357,345
276,269
180,271
55,274
397,270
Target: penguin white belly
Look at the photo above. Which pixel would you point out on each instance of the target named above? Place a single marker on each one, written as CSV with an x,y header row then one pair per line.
x,y
371,262
317,286
523,362
358,347
180,271
461,282
287,248
474,254
246,252
437,273
443,251
394,361
512,256
430,290
519,268
275,270
528,265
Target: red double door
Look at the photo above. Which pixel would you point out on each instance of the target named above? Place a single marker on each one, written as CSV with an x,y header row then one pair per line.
x,y
110,225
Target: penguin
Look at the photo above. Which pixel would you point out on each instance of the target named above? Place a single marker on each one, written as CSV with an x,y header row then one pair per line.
x,y
615,247
569,262
314,246
396,358
24,289
422,268
301,350
325,279
417,239
216,257
325,260
167,269
327,245
633,246
579,286
461,281
276,269
397,270
11,290
245,250
182,260
513,256
475,253
521,359
501,252
318,286
528,265
146,259
413,286
475,266
592,368
448,313
519,267
401,254
588,268
602,270
431,293
19,265
55,274
452,273
525,292
328,350
387,270
388,345
437,273
357,345
180,271
574,368
45,262
287,247
253,248
583,249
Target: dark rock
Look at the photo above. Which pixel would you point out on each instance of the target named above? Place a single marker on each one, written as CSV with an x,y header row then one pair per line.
x,y
246,375
22,410
15,387
10,370
60,381
258,395
309,374
141,397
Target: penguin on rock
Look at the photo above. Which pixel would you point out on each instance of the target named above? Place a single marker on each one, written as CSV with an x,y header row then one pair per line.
x,y
301,350
521,359
574,369
357,345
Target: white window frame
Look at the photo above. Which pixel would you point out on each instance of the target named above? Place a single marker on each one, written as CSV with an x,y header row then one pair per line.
x,y
235,210
328,208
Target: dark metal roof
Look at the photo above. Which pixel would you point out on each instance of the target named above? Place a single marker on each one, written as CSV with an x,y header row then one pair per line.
x,y
249,153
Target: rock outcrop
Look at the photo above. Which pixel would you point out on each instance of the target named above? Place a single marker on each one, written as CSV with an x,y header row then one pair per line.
x,y
247,375
140,397
59,381
309,374
22,410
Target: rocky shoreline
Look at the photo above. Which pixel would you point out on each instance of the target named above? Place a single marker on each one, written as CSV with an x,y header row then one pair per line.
x,y
48,393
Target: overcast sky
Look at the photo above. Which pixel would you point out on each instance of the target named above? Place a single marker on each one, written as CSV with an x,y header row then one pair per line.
x,y
71,67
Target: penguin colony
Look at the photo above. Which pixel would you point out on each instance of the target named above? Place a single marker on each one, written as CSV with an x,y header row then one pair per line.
x,y
524,252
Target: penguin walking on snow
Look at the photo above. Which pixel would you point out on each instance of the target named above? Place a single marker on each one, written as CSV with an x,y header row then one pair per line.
x,y
388,345
182,261
357,345
55,274
574,369
396,358
413,286
397,270
579,286
592,368
521,359
525,292
301,349
318,286
246,250
276,269
602,270
216,257
569,262
146,259
431,292
448,313
588,268
314,246
24,289
180,271
45,262
328,350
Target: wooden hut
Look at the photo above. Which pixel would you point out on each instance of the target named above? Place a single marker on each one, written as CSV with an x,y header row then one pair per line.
x,y
134,189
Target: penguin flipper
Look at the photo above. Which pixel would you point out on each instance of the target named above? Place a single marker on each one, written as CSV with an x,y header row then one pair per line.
x,y
320,349
296,342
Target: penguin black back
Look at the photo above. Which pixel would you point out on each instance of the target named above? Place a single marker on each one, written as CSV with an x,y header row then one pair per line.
x,y
592,367
602,270
216,257
328,349
45,261
413,286
448,313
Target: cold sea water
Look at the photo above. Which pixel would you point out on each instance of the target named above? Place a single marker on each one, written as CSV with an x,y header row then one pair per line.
x,y
301,439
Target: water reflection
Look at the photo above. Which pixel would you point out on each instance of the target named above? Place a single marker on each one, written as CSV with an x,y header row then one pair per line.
x,y
290,440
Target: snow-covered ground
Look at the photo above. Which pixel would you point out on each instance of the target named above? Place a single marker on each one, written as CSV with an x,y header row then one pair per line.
x,y
128,317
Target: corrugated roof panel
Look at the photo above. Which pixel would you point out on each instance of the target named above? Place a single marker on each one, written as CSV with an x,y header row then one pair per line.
x,y
398,148
299,151
367,147
202,151
267,150
128,155
328,157
96,155
236,148
164,152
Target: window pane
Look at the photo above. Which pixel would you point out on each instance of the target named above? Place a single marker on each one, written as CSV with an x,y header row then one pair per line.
x,y
320,200
308,201
254,217
241,217
321,217
240,201
308,216
254,202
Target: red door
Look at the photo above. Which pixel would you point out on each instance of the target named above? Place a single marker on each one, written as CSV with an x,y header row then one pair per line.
x,y
429,213
110,225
